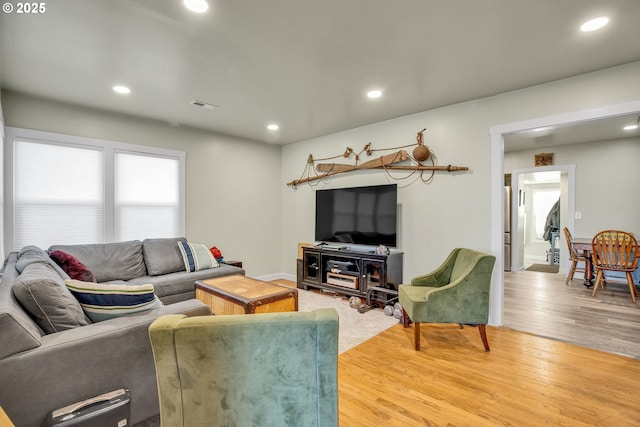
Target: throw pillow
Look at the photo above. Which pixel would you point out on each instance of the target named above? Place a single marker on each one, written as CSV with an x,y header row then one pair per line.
x,y
103,301
217,254
196,256
162,256
72,266
41,291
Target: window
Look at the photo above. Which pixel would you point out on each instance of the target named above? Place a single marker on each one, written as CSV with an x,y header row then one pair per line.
x,y
74,190
59,194
147,196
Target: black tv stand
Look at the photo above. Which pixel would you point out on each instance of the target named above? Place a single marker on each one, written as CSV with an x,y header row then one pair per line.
x,y
347,271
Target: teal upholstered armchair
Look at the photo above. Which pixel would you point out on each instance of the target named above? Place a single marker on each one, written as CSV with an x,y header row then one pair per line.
x,y
275,369
456,292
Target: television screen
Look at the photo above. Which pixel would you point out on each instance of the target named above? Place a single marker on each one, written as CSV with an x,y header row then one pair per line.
x,y
358,215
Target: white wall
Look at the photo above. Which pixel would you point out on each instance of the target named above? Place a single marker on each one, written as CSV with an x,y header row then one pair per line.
x,y
455,209
1,181
606,173
453,204
236,189
232,185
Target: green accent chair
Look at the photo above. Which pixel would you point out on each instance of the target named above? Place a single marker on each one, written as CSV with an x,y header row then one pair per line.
x,y
272,369
456,292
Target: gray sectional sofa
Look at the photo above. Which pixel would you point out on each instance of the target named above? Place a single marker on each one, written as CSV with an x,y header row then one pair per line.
x,y
52,355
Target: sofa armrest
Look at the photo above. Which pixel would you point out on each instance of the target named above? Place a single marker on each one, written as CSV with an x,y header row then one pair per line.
x,y
79,363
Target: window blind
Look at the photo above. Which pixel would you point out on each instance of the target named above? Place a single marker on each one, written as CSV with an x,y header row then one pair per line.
x,y
147,198
58,194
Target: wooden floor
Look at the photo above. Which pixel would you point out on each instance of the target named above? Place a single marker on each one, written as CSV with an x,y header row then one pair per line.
x,y
531,378
541,304
525,380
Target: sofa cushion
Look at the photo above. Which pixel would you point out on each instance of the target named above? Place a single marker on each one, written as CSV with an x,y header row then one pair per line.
x,y
162,256
103,301
109,261
42,293
181,282
196,256
32,254
72,266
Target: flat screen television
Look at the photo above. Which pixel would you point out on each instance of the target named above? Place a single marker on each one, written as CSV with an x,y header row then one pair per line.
x,y
357,215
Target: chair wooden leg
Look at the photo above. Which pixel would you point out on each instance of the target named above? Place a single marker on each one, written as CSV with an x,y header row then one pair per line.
x,y
416,335
632,287
483,335
572,271
597,282
406,321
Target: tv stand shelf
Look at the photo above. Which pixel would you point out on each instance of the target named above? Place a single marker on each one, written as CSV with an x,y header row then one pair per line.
x,y
349,272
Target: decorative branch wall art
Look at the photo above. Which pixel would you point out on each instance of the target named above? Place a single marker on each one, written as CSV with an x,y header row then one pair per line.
x,y
315,171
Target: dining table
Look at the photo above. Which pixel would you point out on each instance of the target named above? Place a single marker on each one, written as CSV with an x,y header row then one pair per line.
x,y
583,244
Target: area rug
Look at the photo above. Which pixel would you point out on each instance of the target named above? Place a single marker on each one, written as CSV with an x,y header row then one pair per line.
x,y
545,268
355,327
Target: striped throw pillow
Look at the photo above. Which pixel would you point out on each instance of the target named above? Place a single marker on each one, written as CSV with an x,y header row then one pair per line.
x,y
103,301
196,256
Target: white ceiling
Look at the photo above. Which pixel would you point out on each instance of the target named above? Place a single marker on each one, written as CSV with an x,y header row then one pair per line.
x,y
601,130
303,64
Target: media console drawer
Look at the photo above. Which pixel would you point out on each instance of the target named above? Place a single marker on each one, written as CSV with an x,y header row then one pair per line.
x,y
344,280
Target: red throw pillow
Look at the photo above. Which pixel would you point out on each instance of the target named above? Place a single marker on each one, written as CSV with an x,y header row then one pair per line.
x,y
216,252
74,268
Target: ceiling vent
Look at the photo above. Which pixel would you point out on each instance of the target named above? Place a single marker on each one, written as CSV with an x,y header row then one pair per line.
x,y
204,105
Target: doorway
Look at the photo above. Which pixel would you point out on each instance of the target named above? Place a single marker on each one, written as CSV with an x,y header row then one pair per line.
x,y
536,192
497,183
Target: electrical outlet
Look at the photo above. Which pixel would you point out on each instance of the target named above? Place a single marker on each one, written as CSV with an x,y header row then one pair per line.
x,y
578,215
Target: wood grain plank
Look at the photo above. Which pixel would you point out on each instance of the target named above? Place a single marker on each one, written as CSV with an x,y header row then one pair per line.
x,y
541,303
525,380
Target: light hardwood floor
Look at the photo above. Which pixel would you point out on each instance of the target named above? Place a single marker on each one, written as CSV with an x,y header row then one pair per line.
x,y
525,380
541,304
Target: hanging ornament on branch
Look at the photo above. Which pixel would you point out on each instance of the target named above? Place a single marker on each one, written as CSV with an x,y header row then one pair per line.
x,y
421,152
315,171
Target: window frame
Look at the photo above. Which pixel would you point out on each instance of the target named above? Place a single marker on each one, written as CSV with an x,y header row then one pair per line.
x,y
109,149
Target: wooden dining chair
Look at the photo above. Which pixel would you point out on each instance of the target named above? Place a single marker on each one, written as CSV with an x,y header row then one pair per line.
x,y
574,256
615,250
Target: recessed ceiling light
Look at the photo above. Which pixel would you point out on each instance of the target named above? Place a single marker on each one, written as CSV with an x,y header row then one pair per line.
x,y
273,127
121,89
540,129
630,127
594,24
197,6
374,93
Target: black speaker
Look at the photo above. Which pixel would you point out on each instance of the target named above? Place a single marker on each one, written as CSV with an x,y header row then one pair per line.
x,y
300,274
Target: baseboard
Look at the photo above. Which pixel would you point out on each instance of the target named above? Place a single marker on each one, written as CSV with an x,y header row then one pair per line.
x,y
277,276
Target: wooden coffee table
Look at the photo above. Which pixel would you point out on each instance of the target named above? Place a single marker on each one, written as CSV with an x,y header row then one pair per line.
x,y
239,294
